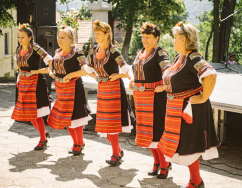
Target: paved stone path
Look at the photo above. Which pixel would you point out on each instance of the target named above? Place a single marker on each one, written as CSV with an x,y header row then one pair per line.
x,y
21,166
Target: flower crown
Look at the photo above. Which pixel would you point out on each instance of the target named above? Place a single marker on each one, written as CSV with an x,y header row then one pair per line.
x,y
97,22
145,25
23,26
62,27
181,25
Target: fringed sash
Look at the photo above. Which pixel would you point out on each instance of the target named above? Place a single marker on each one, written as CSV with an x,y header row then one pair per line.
x,y
144,108
61,113
26,106
108,117
171,136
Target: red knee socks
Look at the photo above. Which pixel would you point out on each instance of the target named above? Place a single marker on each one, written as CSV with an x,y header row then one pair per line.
x,y
163,163
194,174
156,157
73,136
114,138
111,143
40,126
79,135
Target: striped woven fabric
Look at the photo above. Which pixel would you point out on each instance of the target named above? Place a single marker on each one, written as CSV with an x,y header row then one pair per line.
x,y
108,117
61,113
144,109
26,106
170,139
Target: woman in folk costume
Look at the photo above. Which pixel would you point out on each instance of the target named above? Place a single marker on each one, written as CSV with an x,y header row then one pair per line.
x,y
150,103
33,102
113,109
71,108
189,126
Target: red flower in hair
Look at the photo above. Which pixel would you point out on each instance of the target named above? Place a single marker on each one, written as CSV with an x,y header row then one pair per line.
x,y
23,26
180,24
97,22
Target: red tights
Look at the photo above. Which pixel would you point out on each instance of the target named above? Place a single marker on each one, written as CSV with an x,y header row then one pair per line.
x,y
40,126
114,141
77,137
159,158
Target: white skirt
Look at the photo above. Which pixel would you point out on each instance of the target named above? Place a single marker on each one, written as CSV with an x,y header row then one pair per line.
x,y
125,129
80,122
44,111
187,160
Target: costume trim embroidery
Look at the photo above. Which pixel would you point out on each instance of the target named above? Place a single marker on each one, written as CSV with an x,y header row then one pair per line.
x,y
99,63
139,63
23,60
120,60
200,64
60,60
82,60
162,52
195,55
113,49
174,69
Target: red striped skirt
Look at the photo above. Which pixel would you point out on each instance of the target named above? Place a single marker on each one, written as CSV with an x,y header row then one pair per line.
x,y
108,117
26,106
170,139
61,113
144,109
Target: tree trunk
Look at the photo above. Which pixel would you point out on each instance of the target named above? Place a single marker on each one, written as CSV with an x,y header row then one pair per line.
x,y
216,32
207,46
229,24
127,40
111,19
222,34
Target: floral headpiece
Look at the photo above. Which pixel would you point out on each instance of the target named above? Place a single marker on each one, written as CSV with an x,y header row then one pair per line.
x,y
181,25
23,26
62,27
97,22
145,25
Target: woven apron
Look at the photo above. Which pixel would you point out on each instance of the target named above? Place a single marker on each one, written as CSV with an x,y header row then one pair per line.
x,y
61,113
108,117
144,109
170,139
26,105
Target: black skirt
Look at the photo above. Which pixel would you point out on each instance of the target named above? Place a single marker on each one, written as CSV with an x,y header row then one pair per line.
x,y
201,135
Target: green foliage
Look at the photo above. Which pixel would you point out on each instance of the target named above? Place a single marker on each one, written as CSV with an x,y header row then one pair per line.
x,y
236,35
69,19
167,44
84,13
136,42
204,28
6,20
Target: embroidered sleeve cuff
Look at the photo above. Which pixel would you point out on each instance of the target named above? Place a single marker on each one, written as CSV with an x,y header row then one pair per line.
x,y
125,68
208,72
47,58
88,69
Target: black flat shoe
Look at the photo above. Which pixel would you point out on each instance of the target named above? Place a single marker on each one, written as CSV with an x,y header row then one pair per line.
x,y
115,163
77,152
121,154
154,172
47,135
44,144
164,176
201,185
71,151
83,146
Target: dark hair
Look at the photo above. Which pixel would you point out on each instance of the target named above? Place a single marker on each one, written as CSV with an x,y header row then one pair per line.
x,y
29,32
155,30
